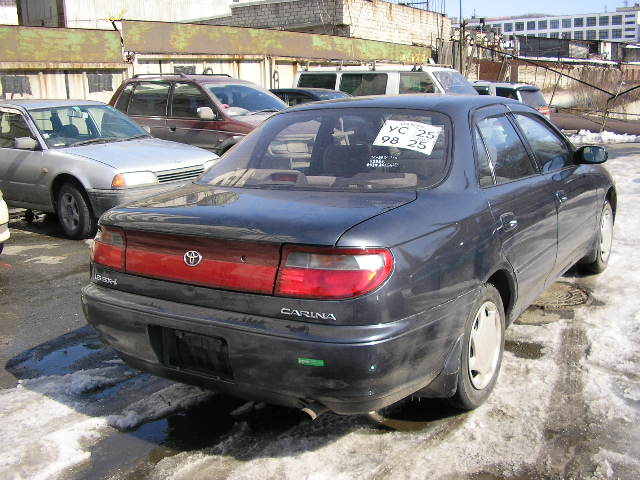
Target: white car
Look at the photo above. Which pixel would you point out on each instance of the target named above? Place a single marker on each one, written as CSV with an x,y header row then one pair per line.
x,y
4,223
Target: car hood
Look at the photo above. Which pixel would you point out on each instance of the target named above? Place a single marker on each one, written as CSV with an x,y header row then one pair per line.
x,y
276,216
151,154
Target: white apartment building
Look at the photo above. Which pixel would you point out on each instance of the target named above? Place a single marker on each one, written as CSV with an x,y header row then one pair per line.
x,y
623,25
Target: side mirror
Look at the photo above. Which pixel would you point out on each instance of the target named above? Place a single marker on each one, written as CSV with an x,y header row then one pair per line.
x,y
592,154
205,113
25,143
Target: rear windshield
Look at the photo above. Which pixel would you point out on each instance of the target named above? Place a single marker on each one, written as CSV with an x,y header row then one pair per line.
x,y
354,149
317,80
453,82
533,98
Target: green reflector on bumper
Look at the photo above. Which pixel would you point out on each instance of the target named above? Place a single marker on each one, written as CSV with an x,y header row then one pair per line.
x,y
311,362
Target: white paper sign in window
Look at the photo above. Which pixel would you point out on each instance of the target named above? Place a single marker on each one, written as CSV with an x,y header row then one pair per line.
x,y
417,136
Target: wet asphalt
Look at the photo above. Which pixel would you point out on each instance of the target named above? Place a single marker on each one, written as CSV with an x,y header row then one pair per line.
x,y
43,332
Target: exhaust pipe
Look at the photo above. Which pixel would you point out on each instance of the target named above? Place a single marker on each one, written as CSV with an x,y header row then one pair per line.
x,y
314,410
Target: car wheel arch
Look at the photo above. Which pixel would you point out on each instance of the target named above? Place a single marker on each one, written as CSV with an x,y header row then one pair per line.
x,y
612,198
59,181
504,281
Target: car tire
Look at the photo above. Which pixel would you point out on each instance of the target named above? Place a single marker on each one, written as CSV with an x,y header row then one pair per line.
x,y
604,241
76,218
482,348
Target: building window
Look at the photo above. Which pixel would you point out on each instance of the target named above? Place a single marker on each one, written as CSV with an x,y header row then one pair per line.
x,y
591,21
531,25
630,15
100,82
604,34
554,23
604,21
616,33
554,35
630,29
508,27
542,35
591,34
566,35
616,20
497,26
519,26
542,25
578,22
566,23
15,84
630,22
577,36
630,36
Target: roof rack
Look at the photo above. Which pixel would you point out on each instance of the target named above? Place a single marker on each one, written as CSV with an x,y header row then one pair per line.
x,y
179,74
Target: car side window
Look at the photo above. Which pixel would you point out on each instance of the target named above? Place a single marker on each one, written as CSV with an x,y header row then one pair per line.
x,y
484,168
416,82
507,153
358,84
186,100
123,100
149,99
550,151
12,126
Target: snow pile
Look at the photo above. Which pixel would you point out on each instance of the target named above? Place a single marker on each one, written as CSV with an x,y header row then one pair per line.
x,y
585,137
174,398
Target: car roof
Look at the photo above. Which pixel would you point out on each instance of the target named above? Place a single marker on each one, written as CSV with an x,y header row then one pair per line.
x,y
199,78
454,104
308,90
379,68
32,104
514,85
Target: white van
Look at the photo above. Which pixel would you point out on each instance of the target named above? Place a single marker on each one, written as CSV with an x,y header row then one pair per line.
x,y
359,81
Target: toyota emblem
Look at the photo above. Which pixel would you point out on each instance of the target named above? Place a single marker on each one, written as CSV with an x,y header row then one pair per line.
x,y
192,258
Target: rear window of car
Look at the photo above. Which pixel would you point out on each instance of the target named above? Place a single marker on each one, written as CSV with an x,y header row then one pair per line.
x,y
453,82
353,149
531,97
317,80
359,84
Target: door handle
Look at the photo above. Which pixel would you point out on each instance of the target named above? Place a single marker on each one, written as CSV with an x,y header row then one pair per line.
x,y
172,128
508,221
561,196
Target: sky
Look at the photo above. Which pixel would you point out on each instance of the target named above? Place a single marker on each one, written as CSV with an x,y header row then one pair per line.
x,y
500,8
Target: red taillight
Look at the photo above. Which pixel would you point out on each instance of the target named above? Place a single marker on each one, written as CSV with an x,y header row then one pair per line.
x,y
545,110
108,248
332,273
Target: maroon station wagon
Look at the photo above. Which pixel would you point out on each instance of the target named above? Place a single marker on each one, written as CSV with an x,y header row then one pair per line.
x,y
208,111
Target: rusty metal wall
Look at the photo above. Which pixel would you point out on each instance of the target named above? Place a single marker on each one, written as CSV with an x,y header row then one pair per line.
x,y
177,38
41,44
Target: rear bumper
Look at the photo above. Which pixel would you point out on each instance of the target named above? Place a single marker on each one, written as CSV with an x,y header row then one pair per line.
x,y
286,362
103,200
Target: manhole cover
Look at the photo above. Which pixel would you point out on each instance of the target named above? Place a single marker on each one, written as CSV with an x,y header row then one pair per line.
x,y
562,296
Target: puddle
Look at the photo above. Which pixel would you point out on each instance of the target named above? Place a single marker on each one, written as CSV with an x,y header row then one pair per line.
x,y
69,353
202,426
529,350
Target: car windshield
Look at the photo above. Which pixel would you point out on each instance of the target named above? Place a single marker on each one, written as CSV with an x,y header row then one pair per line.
x,y
532,97
355,149
83,124
453,82
245,97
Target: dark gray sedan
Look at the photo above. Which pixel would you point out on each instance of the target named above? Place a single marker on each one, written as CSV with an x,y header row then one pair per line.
x,y
350,253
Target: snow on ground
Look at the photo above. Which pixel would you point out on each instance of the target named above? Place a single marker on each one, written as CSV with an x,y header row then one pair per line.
x,y
586,137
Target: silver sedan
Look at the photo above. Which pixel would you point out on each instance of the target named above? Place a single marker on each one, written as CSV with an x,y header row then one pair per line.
x,y
79,158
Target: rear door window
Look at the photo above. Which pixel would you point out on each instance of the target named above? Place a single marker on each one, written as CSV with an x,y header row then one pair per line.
x,y
507,153
186,100
358,84
149,99
317,80
416,82
533,98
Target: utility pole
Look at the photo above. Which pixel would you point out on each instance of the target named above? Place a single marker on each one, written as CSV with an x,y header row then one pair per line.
x,y
461,39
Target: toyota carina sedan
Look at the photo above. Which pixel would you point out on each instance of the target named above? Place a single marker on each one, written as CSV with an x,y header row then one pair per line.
x,y
350,253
